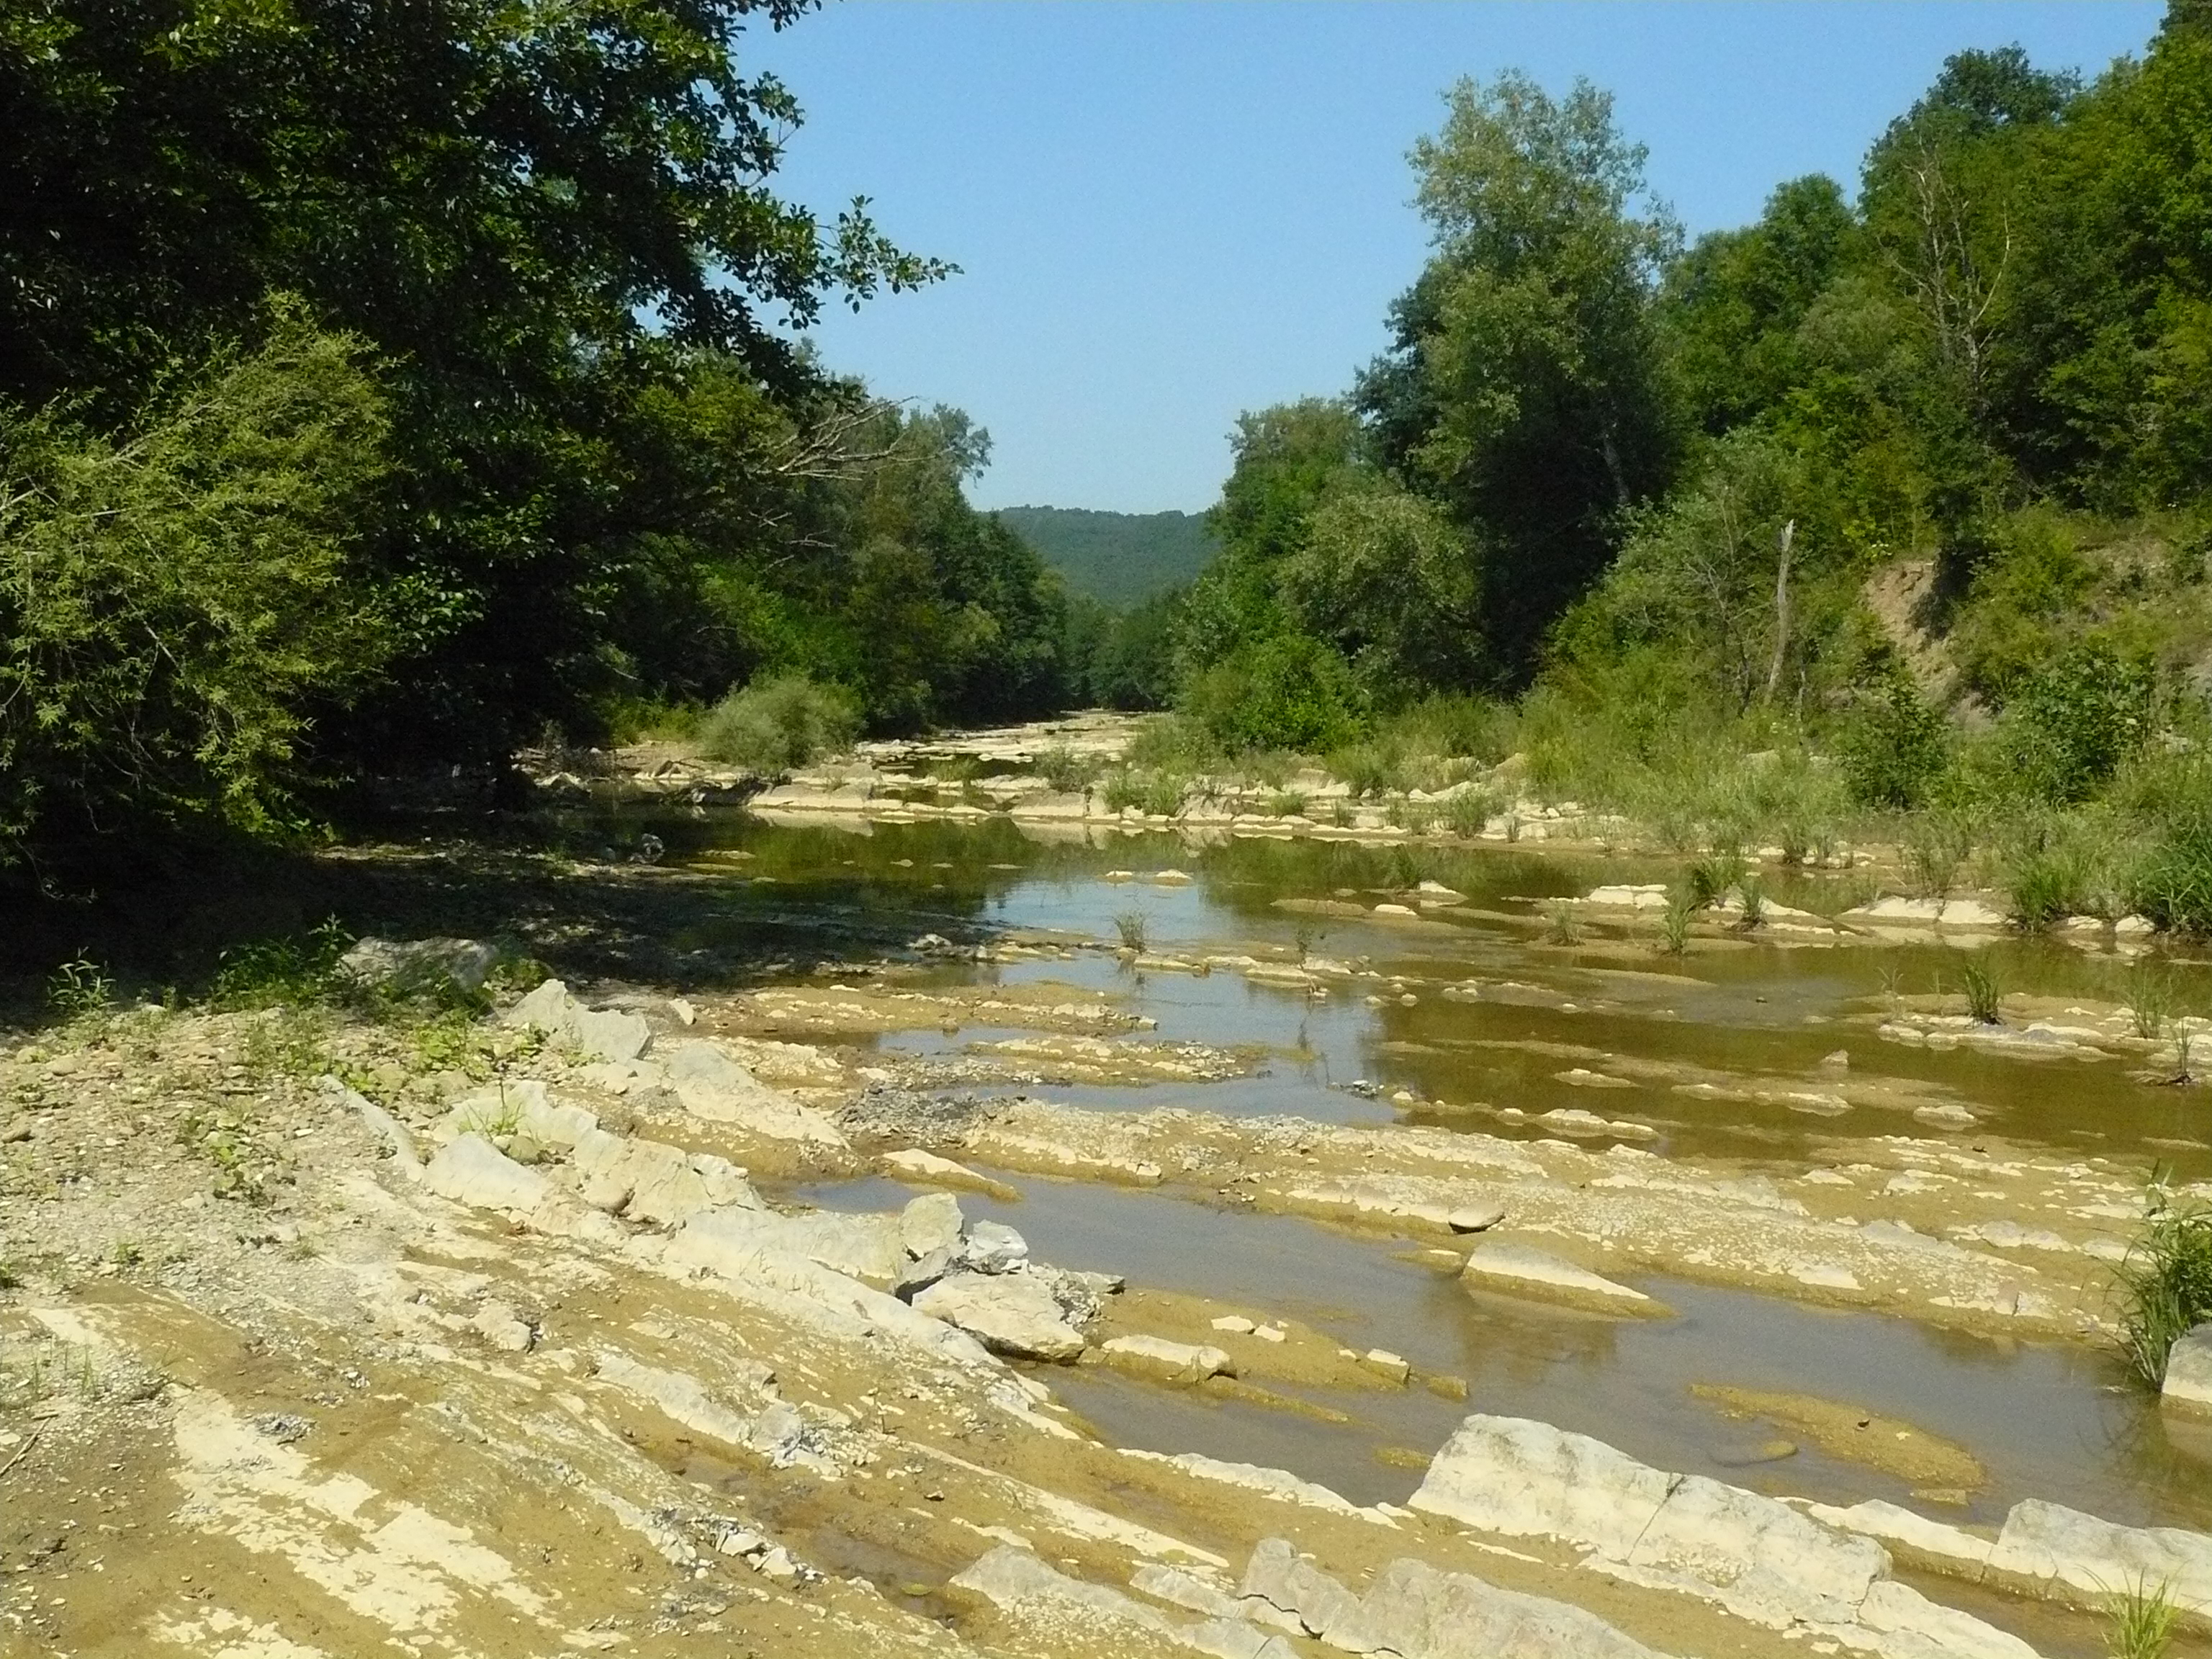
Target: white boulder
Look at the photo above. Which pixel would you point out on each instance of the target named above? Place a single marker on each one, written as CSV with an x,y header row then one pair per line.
x,y
2189,1370
601,1034
1013,1314
1173,1362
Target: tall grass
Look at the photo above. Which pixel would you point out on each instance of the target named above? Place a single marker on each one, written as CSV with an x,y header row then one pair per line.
x,y
2139,1620
1984,987
1674,921
1065,771
1133,928
2165,1284
2149,998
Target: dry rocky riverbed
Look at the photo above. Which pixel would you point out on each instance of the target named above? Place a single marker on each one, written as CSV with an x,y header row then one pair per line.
x,y
725,1323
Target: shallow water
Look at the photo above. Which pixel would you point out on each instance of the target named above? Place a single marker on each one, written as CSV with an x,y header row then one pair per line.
x,y
2045,1420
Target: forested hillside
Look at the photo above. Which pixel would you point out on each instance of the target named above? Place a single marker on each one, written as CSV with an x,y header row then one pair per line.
x,y
1119,559
1893,499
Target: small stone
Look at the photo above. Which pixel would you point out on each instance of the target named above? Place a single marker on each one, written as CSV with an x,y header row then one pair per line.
x,y
1840,1061
1390,1365
282,1427
1272,1333
684,1012
1235,1323
1474,1218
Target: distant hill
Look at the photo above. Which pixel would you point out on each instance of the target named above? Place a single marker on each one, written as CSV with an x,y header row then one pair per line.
x,y
1119,559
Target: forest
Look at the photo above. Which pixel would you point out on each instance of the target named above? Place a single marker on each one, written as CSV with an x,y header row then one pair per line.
x,y
382,390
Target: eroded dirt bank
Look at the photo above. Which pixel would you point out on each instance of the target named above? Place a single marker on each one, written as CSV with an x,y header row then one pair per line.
x,y
903,1305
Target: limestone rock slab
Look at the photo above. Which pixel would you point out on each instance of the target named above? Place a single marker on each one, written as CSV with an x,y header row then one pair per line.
x,y
1519,1269
1013,1314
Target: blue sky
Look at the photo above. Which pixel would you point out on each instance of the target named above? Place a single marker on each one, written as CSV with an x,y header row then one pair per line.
x,y
1167,213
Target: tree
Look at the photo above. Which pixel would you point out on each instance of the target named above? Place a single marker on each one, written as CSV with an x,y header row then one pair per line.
x,y
544,218
1525,386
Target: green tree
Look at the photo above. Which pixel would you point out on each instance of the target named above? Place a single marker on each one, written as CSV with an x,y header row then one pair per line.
x,y
1526,386
179,601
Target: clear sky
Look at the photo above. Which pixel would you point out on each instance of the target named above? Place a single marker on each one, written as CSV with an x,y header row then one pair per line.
x,y
1167,213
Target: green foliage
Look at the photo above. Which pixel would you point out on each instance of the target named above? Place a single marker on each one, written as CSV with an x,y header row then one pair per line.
x,y
779,723
1132,927
1675,920
1937,847
1525,386
2165,1284
1984,987
2150,998
178,599
79,989
1288,692
2067,727
288,971
1468,813
2140,1620
1067,772
1891,745
1157,794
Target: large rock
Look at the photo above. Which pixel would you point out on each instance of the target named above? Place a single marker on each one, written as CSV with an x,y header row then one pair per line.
x,y
650,1181
2189,1370
1501,1265
865,1247
2055,1545
1013,1314
1171,1362
1756,1556
607,1034
930,1224
469,1169
994,1248
1413,1611
713,1086
519,1108
410,967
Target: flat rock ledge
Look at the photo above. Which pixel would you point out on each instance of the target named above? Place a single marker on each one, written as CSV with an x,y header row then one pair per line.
x,y
1501,1265
1755,1556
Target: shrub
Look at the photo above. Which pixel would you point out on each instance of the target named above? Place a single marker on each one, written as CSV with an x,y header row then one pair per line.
x,y
2172,884
1468,812
283,972
1289,804
1067,772
1936,845
1290,692
173,604
1132,928
780,722
78,989
1367,769
1674,921
2166,1285
2071,726
1890,744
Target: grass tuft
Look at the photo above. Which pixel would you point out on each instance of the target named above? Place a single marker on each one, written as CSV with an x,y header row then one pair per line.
x,y
78,989
2165,1284
1984,987
1135,929
2139,1620
1674,921
2150,999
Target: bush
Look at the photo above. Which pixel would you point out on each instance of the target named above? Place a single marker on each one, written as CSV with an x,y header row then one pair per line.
x,y
779,723
2071,725
1290,692
1891,745
174,603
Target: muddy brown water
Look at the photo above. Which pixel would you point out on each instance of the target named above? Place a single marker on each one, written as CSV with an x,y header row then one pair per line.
x,y
2045,1420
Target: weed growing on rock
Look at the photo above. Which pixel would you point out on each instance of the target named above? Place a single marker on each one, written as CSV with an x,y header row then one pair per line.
x,y
2150,999
1753,892
2139,1620
1984,989
1132,926
2165,1283
1414,817
1289,804
1566,928
1710,878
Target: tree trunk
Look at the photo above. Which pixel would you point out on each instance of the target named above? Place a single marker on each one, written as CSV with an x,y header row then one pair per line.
x,y
1781,611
